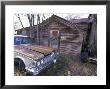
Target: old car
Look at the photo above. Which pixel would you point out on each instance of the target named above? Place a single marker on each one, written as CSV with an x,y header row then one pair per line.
x,y
31,57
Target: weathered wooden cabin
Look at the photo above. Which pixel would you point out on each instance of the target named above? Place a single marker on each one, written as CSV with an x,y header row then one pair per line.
x,y
63,35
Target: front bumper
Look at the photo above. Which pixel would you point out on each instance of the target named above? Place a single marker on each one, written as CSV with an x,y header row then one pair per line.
x,y
32,71
36,70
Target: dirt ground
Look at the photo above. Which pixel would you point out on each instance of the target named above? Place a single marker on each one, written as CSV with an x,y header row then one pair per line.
x,y
68,66
77,68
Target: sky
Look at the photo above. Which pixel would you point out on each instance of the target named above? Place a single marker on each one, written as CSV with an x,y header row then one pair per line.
x,y
24,19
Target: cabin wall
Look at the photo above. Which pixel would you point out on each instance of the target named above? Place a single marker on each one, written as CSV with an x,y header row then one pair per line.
x,y
71,44
68,41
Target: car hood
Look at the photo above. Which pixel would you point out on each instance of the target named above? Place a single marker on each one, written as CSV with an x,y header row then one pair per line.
x,y
33,51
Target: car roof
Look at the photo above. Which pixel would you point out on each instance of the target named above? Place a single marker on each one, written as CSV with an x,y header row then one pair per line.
x,y
20,36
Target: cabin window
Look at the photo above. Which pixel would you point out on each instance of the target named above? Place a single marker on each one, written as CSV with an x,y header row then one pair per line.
x,y
38,63
54,33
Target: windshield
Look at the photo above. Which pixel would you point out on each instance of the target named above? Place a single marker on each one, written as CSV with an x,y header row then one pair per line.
x,y
21,40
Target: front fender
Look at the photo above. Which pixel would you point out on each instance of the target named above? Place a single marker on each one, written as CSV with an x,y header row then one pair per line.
x,y
21,58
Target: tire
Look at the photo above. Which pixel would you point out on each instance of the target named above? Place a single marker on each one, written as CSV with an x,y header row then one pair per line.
x,y
19,64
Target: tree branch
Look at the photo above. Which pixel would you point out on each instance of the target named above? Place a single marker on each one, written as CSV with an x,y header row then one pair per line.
x,y
20,21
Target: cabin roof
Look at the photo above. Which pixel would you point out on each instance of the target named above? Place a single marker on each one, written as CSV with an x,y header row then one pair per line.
x,y
72,23
59,20
83,20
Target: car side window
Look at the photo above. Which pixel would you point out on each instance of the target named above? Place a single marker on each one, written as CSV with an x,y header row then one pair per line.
x,y
24,40
17,39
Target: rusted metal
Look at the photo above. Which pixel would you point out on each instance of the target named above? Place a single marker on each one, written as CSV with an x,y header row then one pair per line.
x,y
33,51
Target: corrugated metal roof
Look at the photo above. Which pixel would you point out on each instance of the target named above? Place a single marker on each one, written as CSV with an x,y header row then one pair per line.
x,y
82,20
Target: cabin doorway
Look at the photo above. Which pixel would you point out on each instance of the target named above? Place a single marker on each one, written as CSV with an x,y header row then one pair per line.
x,y
55,39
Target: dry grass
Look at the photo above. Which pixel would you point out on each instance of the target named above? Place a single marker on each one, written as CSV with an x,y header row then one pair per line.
x,y
70,66
77,68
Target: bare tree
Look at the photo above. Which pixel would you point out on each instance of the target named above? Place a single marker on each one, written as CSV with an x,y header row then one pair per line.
x,y
38,30
31,18
15,26
20,21
43,17
31,23
40,18
72,16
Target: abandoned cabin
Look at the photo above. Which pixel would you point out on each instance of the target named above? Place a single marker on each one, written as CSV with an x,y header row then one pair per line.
x,y
65,36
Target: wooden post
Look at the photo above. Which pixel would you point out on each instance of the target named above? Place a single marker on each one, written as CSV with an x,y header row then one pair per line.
x,y
39,36
59,43
48,37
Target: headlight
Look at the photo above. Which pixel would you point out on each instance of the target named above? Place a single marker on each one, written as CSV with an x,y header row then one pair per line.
x,y
52,54
31,70
34,63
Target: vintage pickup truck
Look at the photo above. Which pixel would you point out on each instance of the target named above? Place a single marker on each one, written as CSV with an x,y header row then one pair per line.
x,y
30,57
